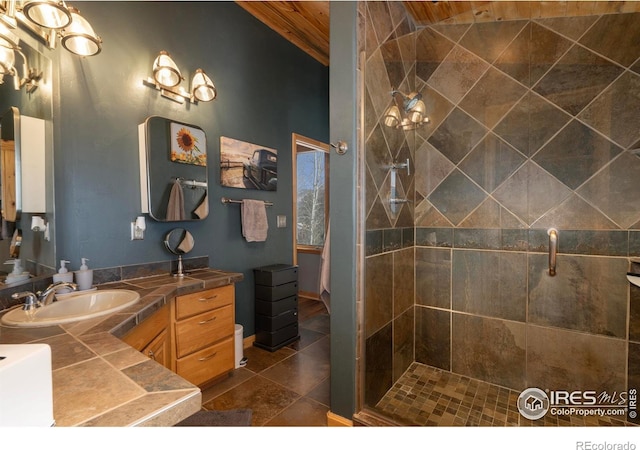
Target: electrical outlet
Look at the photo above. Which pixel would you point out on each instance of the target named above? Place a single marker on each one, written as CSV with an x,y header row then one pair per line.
x,y
281,221
136,233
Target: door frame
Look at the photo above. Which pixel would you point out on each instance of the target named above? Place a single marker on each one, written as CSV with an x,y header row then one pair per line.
x,y
303,141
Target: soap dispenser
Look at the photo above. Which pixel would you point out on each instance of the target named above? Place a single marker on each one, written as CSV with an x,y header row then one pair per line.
x,y
17,274
84,276
63,273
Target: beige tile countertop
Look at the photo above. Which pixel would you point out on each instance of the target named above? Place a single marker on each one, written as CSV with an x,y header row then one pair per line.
x,y
98,380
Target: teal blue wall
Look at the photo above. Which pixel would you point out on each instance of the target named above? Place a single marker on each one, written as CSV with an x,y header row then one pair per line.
x,y
267,89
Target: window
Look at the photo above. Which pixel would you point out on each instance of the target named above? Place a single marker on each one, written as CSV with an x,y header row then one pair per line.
x,y
312,196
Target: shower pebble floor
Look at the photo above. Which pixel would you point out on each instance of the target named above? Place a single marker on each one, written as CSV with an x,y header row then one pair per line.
x,y
428,396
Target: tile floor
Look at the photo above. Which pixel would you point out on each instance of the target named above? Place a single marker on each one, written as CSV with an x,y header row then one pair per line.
x,y
428,396
288,387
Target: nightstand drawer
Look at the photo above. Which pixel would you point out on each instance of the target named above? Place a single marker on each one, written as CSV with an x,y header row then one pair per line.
x,y
271,293
207,363
204,329
275,274
274,323
198,302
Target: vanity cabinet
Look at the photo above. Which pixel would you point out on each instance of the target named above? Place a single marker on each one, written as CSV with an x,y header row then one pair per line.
x,y
151,337
202,326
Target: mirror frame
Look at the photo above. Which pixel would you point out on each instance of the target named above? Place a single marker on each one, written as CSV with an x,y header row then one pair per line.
x,y
150,152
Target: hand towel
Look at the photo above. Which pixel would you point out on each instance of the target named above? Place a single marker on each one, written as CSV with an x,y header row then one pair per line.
x,y
175,207
186,245
254,220
202,210
325,273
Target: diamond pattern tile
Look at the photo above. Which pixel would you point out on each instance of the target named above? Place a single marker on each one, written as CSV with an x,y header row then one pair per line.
x,y
575,214
377,83
393,62
616,36
616,112
431,168
378,157
614,190
531,123
575,154
530,193
438,108
491,162
532,54
576,79
492,96
457,74
431,49
489,39
457,135
456,197
571,27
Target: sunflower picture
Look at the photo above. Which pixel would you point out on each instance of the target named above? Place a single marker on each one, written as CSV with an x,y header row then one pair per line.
x,y
188,145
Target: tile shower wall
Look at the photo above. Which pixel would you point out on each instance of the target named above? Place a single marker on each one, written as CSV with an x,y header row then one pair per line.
x,y
533,124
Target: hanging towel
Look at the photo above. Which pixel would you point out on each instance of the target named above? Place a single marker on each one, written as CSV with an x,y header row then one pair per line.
x,y
187,243
254,220
325,272
202,210
175,207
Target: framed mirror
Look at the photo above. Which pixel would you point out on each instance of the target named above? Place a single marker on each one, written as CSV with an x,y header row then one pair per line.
x,y
173,170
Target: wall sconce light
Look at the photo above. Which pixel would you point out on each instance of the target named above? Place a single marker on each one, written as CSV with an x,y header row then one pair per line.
x,y
137,228
167,79
38,224
412,107
49,19
8,49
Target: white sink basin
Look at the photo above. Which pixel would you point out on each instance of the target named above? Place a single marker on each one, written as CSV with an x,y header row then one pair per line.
x,y
74,307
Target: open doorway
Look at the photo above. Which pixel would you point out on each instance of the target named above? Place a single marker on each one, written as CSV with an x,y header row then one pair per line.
x,y
310,166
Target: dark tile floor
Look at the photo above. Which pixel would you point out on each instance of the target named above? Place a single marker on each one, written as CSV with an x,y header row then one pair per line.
x,y
288,387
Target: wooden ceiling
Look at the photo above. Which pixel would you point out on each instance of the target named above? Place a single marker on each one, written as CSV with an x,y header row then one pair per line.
x,y
306,23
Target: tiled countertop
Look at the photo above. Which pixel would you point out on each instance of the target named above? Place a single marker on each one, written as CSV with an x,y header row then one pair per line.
x,y
98,380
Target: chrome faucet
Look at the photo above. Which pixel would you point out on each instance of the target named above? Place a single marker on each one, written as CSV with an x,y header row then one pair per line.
x,y
47,296
31,302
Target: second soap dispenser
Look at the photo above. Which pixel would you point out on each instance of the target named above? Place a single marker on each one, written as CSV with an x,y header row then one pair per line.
x,y
84,276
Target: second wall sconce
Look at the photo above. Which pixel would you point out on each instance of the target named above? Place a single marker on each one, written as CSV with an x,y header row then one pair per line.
x,y
413,113
167,78
8,49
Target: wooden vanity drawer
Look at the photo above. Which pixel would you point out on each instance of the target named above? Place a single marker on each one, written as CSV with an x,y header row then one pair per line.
x,y
198,302
207,363
204,329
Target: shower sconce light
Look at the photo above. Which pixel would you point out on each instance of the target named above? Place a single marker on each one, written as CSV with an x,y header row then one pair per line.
x,y
408,111
51,19
8,49
167,79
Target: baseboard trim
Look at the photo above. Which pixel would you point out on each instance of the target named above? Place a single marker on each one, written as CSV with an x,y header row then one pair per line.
x,y
309,295
334,420
248,341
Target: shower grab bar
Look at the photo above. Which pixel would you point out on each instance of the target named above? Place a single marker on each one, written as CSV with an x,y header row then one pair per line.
x,y
553,250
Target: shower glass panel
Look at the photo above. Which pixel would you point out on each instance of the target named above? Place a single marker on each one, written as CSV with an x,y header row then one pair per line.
x,y
525,134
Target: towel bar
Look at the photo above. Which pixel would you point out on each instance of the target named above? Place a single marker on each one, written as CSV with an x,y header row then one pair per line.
x,y
226,200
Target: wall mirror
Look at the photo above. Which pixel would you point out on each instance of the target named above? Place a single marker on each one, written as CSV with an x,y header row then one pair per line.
x,y
18,106
173,170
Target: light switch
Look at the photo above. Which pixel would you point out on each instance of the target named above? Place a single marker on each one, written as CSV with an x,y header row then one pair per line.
x,y
281,221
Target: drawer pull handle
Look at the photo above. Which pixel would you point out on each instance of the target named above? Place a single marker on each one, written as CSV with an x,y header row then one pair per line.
x,y
152,355
206,358
206,299
202,322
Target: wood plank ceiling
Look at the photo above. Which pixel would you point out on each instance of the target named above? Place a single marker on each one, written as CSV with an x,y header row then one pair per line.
x,y
306,23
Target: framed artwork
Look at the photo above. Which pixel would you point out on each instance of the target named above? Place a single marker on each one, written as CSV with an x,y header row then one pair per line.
x,y
188,145
248,166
